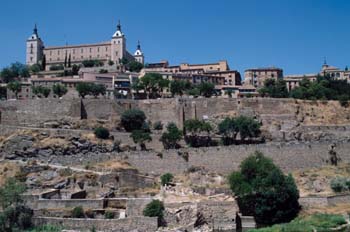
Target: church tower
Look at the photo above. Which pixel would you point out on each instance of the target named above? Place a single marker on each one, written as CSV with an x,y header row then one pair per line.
x,y
118,45
35,47
138,55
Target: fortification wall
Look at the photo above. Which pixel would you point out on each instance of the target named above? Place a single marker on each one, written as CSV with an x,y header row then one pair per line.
x,y
36,112
142,224
225,159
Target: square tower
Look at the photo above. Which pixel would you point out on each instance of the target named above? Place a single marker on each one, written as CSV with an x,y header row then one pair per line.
x,y
118,45
34,48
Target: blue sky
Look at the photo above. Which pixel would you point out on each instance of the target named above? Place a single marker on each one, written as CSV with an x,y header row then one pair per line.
x,y
292,34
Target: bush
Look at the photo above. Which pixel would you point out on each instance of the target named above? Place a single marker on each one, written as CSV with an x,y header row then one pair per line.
x,y
133,119
344,100
78,212
46,228
262,190
154,209
141,137
10,193
59,90
166,179
340,184
171,137
198,133
102,133
109,215
16,218
56,67
158,125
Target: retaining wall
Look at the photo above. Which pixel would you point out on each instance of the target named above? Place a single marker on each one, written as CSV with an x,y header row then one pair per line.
x,y
141,224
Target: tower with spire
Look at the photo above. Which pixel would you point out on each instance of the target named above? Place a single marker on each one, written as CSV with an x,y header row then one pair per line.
x,y
118,45
138,55
34,48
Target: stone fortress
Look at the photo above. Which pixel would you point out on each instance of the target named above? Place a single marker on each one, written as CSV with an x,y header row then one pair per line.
x,y
113,50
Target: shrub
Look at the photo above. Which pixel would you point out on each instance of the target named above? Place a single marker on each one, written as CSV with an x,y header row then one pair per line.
x,y
140,137
133,119
339,184
101,133
16,218
154,209
171,137
343,100
158,125
109,215
56,67
78,212
10,193
46,228
59,90
199,132
263,191
166,179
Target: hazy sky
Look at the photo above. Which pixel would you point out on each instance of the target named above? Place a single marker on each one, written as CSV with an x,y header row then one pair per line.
x,y
295,35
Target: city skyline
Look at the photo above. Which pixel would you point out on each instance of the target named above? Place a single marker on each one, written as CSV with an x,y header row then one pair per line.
x,y
305,34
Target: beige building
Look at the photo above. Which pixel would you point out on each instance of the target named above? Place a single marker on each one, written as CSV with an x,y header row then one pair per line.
x,y
113,50
257,76
216,72
293,81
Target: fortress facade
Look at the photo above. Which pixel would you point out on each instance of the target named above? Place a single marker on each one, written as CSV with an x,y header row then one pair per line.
x,y
113,50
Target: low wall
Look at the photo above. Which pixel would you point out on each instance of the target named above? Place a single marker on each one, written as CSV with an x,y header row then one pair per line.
x,y
320,201
141,224
70,203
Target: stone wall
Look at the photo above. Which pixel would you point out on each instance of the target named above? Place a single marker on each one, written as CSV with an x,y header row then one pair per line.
x,y
36,112
288,156
70,203
283,119
323,201
141,224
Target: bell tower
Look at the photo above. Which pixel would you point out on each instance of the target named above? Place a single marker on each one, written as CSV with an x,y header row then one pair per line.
x,y
118,45
35,47
138,55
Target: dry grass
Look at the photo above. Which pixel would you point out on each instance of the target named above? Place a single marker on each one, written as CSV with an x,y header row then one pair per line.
x,y
337,209
52,142
93,139
7,170
111,165
305,179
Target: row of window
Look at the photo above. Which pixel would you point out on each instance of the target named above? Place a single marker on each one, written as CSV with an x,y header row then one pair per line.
x,y
81,50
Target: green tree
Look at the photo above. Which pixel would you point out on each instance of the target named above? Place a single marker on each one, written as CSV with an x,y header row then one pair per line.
x,y
141,137
247,127
43,63
229,130
206,89
197,132
179,87
35,68
98,89
15,70
15,87
69,61
83,89
264,191
133,119
166,179
41,90
171,137
274,88
75,69
110,62
3,92
10,193
154,209
152,84
135,66
59,90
